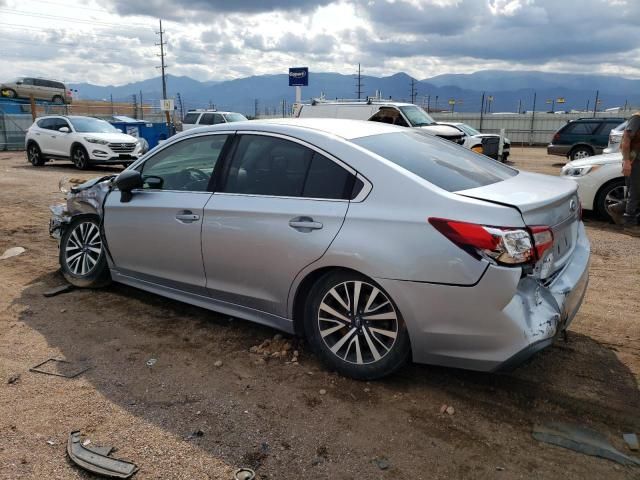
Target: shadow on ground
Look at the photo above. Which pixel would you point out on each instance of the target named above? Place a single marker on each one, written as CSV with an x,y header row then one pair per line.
x,y
270,415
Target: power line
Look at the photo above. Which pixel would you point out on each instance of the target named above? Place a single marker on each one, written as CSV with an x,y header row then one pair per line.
x,y
17,26
71,19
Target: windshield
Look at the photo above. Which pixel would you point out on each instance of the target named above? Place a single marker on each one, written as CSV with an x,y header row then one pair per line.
x,y
469,130
438,161
417,116
92,125
235,117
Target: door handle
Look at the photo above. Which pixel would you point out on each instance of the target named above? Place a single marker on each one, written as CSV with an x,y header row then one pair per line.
x,y
305,224
187,216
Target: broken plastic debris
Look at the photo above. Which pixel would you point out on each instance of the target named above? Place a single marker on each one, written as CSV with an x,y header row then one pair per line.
x,y
67,287
244,474
151,362
97,459
631,439
581,439
12,252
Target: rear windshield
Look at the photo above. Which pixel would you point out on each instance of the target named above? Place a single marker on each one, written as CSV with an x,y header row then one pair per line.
x,y
191,118
234,117
438,161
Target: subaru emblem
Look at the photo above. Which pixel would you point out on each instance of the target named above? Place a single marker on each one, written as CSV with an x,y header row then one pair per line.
x,y
573,205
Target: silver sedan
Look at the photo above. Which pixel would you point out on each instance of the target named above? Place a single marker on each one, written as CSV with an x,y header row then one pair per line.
x,y
376,243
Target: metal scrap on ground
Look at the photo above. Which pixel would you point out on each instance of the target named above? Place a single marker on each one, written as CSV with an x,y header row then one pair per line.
x,y
581,439
58,290
63,368
97,459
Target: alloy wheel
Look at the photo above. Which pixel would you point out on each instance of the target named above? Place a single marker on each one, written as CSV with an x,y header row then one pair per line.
x,y
79,158
83,249
357,322
615,195
34,154
580,154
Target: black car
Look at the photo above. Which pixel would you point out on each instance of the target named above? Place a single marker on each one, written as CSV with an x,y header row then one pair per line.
x,y
583,137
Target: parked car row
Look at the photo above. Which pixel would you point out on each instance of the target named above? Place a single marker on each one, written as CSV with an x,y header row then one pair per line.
x,y
582,138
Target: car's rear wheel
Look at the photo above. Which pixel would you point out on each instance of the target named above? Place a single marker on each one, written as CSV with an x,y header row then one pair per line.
x,y
11,93
355,327
34,155
610,193
82,256
80,158
581,152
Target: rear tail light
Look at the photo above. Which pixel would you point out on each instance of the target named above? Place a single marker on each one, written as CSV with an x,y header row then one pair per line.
x,y
503,245
556,137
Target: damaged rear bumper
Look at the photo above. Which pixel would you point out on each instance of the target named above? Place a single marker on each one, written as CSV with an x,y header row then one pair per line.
x,y
498,322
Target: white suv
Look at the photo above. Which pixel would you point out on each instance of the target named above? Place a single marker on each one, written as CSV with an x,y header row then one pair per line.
x,y
83,140
200,118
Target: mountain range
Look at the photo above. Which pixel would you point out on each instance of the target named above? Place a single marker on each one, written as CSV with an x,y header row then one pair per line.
x,y
509,90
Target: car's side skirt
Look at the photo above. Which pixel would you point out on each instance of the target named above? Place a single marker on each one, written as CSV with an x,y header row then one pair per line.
x,y
225,308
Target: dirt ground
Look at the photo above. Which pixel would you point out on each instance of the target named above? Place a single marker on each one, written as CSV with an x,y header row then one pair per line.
x,y
185,418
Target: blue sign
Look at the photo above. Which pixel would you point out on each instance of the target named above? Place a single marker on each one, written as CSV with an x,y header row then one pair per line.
x,y
299,77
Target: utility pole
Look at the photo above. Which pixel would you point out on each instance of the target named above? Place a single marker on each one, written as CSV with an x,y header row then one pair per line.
x,y
111,100
533,118
134,105
255,108
519,106
587,109
359,83
436,107
595,105
141,106
414,91
428,103
162,69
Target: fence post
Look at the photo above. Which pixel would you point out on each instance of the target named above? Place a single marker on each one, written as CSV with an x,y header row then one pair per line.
x,y
481,110
533,117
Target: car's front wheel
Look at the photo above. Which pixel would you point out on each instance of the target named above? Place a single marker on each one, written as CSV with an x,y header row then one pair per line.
x,y
82,256
80,158
355,327
11,93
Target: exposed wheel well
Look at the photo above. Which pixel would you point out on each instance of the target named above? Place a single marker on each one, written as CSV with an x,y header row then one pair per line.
x,y
76,145
302,293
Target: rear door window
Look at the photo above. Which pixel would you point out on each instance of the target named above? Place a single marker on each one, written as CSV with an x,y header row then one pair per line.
x,y
440,162
272,166
581,128
218,118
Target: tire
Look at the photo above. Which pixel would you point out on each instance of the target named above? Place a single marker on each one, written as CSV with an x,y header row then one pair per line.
x,y
360,352
82,256
11,93
80,158
581,152
58,100
34,155
611,192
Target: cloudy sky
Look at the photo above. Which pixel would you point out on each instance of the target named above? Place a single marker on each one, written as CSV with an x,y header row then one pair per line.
x,y
112,41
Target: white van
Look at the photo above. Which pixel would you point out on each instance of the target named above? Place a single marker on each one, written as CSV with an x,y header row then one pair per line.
x,y
200,118
395,113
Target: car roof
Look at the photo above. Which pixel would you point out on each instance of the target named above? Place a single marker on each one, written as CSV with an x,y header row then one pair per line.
x,y
383,103
346,129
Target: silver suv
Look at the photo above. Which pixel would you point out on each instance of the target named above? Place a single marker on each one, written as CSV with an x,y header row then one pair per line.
x,y
40,88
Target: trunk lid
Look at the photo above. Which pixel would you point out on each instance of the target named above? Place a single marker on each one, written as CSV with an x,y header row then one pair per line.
x,y
541,200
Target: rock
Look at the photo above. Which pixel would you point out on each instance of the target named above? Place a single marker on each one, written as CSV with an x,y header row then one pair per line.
x,y
500,469
295,353
450,410
13,379
12,252
317,461
283,353
367,390
309,373
275,354
218,363
323,391
383,463
62,310
443,408
277,337
254,349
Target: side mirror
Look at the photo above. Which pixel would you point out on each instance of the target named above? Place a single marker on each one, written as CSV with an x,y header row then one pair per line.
x,y
127,181
19,82
64,129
